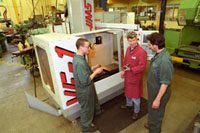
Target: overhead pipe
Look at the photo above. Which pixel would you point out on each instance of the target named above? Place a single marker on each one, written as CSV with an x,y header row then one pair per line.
x,y
162,16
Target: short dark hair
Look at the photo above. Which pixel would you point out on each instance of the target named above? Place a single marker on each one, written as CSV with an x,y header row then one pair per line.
x,y
157,39
131,35
81,42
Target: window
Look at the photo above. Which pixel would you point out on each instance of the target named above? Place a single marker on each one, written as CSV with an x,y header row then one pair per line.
x,y
171,12
107,53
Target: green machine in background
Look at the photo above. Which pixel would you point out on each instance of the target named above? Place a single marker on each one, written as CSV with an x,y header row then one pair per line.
x,y
185,43
172,38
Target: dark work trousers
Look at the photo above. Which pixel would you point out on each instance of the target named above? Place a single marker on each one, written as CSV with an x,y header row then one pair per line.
x,y
155,116
89,106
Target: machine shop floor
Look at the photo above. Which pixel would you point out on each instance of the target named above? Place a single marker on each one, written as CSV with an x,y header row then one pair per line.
x,y
17,117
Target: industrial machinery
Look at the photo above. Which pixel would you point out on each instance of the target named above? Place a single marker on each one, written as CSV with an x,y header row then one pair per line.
x,y
7,23
188,50
55,51
81,15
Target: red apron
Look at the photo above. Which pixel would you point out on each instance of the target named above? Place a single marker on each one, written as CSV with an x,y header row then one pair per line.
x,y
136,59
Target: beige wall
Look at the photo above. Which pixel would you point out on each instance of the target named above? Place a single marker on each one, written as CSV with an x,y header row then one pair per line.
x,y
174,1
24,10
19,10
140,2
156,3
60,4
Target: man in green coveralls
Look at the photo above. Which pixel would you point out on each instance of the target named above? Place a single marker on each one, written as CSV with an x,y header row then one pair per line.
x,y
158,82
85,89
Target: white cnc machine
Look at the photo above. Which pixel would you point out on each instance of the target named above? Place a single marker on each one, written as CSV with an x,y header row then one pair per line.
x,y
54,54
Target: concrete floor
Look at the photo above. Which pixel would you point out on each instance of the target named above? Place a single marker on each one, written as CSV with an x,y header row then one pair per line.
x,y
17,117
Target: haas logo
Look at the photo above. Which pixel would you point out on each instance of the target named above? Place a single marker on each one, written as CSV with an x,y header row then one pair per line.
x,y
88,14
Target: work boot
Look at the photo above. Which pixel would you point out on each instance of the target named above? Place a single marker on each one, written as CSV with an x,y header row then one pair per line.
x,y
135,116
146,125
125,107
90,129
99,112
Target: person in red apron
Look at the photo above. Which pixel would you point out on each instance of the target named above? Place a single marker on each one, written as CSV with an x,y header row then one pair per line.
x,y
133,70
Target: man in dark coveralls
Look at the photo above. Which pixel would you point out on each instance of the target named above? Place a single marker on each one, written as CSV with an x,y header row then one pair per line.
x,y
158,82
85,89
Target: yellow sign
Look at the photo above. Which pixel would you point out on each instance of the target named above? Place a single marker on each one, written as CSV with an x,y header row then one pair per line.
x,y
177,59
